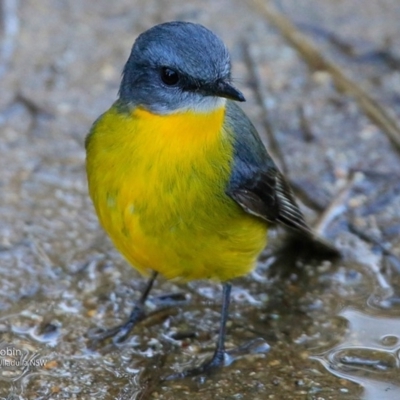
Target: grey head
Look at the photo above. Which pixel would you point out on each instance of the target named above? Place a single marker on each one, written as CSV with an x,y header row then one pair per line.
x,y
178,66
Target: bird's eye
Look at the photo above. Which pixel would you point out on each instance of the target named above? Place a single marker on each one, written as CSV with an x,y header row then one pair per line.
x,y
169,76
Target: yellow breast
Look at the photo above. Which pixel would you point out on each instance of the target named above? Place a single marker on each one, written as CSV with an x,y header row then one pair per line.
x,y
158,185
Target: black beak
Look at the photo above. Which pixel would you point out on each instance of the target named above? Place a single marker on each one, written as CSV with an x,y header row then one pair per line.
x,y
218,88
221,88
225,89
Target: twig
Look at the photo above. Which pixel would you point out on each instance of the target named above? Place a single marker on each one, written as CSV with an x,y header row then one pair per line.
x,y
318,62
261,94
336,207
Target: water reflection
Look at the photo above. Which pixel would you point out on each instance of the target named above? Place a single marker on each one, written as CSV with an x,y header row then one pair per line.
x,y
368,354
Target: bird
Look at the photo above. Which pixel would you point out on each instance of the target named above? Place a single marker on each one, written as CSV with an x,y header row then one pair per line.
x,y
178,174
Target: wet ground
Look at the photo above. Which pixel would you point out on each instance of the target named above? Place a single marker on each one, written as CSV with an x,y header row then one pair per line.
x,y
300,327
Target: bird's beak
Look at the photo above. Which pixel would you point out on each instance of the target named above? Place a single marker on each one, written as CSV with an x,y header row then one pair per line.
x,y
225,89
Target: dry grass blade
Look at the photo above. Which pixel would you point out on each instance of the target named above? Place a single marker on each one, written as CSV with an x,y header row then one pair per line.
x,y
317,61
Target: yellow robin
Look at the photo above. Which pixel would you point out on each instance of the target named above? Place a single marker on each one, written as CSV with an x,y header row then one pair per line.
x,y
178,175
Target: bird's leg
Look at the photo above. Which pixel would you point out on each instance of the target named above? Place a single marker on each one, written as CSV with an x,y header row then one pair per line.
x,y
219,354
218,357
119,333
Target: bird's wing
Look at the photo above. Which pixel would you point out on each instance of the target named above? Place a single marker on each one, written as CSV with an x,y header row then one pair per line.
x,y
256,183
270,198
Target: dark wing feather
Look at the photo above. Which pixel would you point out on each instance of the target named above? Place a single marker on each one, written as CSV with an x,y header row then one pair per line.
x,y
256,183
272,202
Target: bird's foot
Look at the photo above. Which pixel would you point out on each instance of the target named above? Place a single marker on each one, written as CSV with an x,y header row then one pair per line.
x,y
222,358
118,333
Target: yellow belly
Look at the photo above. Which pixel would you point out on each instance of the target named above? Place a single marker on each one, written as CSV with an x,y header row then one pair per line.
x,y
158,185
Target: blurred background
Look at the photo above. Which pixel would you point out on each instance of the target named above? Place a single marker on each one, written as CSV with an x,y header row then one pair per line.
x,y
322,84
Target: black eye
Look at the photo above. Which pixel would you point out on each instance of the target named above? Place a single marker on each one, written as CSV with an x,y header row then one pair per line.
x,y
169,76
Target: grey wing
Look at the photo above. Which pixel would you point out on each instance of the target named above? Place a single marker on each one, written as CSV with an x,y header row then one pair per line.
x,y
256,183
